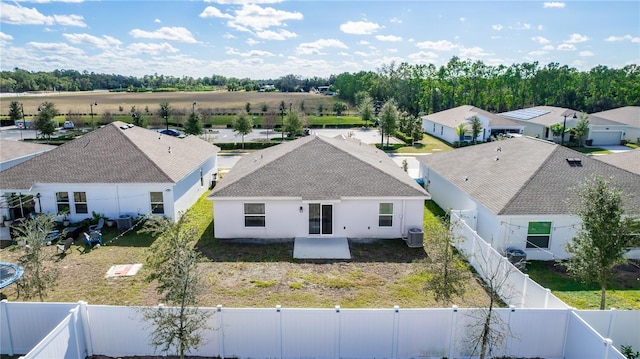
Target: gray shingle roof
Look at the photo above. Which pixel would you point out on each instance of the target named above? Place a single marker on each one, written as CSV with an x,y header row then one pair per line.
x,y
552,115
628,160
316,168
114,153
10,150
530,176
629,115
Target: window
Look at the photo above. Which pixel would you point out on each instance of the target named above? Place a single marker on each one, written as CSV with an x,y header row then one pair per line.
x,y
157,202
62,200
538,234
434,127
201,178
80,202
254,215
385,217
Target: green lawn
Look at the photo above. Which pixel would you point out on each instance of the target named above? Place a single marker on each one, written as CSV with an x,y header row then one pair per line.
x,y
623,293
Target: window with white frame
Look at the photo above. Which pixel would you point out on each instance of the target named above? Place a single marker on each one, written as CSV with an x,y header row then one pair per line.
x,y
538,234
385,215
254,215
157,202
80,202
62,202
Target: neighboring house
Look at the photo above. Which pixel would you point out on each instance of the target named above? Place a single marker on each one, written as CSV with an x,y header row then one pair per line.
x,y
116,170
16,152
317,187
630,116
538,120
443,124
519,192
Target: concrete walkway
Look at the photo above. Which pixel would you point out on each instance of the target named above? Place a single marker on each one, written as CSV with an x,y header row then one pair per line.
x,y
321,248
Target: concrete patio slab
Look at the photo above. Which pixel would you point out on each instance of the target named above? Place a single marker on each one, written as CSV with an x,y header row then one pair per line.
x,y
321,248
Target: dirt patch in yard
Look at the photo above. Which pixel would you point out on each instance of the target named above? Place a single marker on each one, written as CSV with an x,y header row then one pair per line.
x,y
625,276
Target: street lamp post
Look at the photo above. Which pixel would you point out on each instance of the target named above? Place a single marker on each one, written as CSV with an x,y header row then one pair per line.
x,y
24,123
166,120
92,104
282,115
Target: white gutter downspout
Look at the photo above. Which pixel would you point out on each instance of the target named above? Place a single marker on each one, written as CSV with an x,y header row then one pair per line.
x,y
402,221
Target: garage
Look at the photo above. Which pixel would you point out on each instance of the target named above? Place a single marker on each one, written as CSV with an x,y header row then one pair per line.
x,y
603,138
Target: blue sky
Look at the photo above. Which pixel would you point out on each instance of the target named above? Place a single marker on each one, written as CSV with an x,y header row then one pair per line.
x,y
269,38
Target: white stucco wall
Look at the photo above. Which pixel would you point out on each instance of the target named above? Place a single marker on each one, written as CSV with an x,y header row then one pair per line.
x,y
187,191
443,132
352,218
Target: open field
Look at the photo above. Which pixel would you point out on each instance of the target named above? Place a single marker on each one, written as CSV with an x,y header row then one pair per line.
x,y
379,275
121,102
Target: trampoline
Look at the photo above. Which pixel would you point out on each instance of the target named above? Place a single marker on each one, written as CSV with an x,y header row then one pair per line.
x,y
9,273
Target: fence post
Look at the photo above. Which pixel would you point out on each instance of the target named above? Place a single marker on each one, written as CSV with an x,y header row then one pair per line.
x,y
509,346
547,292
336,345
396,324
221,331
452,330
523,302
4,309
279,324
608,344
612,314
74,326
86,327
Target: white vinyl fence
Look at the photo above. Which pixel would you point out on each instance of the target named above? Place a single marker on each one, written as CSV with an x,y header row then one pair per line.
x,y
518,289
85,330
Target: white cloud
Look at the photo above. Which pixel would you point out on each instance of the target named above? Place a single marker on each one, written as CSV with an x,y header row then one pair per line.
x,y
157,21
474,52
363,42
18,15
276,35
251,53
228,36
540,40
151,48
566,47
519,26
361,53
55,47
252,16
538,53
211,11
497,27
540,27
179,34
423,57
395,20
576,38
5,37
388,38
359,27
442,45
585,54
242,2
311,48
105,43
622,38
548,47
251,41
554,4
463,19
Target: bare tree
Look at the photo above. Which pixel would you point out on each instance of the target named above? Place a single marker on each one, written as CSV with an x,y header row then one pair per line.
x,y
173,263
39,272
269,122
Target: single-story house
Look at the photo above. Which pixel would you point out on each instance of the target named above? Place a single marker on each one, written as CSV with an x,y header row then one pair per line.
x,y
519,192
538,120
16,152
443,124
628,115
317,187
627,160
116,170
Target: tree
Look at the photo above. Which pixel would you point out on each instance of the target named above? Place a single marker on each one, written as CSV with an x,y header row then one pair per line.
x,y
269,122
39,273
582,129
247,107
557,130
293,124
450,273
476,128
136,118
365,108
173,263
417,132
603,237
15,112
264,108
165,112
44,121
389,118
193,125
242,124
339,107
461,129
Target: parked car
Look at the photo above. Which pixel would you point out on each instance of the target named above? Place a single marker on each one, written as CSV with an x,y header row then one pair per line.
x,y
68,125
171,132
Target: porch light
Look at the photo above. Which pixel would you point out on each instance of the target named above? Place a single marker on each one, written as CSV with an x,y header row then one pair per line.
x,y
301,209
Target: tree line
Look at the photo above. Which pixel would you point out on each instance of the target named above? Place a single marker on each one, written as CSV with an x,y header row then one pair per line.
x,y
417,89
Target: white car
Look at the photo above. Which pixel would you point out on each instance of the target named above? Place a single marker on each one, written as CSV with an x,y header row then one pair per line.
x,y
68,125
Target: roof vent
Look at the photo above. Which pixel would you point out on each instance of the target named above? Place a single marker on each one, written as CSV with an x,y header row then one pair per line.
x,y
574,162
124,127
130,125
498,149
169,149
496,158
